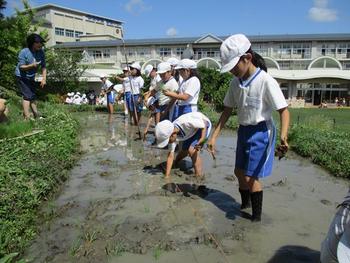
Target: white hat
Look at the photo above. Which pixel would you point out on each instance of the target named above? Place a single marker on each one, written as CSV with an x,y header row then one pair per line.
x,y
151,100
78,93
70,94
164,129
186,63
343,252
173,61
163,67
125,69
148,70
232,49
136,65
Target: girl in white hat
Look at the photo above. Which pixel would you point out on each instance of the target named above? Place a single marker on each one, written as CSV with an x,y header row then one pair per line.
x,y
192,129
189,89
256,94
134,100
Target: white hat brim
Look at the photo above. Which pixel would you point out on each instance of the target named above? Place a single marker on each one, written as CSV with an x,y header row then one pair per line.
x,y
343,251
163,143
227,67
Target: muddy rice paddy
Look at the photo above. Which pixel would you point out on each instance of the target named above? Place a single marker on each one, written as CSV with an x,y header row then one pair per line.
x,y
117,207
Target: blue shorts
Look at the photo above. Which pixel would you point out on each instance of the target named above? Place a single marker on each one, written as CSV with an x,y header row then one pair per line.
x,y
183,109
130,102
195,138
27,87
110,97
255,149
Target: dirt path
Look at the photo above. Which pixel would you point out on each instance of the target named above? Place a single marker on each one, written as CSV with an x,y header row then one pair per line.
x,y
117,208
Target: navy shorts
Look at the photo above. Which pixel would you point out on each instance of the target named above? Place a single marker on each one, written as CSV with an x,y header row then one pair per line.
x,y
27,87
130,102
193,141
110,97
255,149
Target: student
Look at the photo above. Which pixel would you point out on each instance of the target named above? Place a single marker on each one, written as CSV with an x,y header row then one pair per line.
x,y
336,246
107,89
188,95
167,83
134,101
192,129
256,94
175,72
29,60
151,106
151,72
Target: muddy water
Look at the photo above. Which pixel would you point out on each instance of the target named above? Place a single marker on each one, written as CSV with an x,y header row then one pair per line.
x,y
116,207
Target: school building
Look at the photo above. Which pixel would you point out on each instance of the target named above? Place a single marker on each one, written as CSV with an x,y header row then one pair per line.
x,y
311,68
68,25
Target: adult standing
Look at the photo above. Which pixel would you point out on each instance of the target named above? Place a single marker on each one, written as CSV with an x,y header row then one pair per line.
x,y
30,59
256,94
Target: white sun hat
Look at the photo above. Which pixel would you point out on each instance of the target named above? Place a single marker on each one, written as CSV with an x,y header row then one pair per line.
x,y
186,63
164,129
231,50
148,70
173,61
136,65
125,69
163,67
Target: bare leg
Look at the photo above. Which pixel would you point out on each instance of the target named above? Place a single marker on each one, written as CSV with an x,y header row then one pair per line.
x,y
182,154
241,179
196,160
26,107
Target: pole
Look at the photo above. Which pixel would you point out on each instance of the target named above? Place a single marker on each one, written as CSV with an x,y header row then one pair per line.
x,y
131,87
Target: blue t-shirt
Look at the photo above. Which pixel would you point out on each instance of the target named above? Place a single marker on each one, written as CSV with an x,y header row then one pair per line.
x,y
26,57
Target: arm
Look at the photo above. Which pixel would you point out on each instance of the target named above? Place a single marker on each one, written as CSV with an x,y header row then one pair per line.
x,y
225,115
29,67
169,163
43,81
175,95
284,119
201,141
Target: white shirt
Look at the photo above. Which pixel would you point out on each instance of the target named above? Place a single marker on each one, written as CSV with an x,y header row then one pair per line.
x,y
170,85
255,98
154,82
106,85
136,84
126,84
188,124
192,87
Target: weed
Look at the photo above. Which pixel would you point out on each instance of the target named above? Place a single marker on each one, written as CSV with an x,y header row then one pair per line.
x,y
157,252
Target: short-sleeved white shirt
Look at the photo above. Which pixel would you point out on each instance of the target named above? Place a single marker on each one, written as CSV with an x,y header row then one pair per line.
x,y
155,81
126,84
188,124
255,98
107,85
170,85
137,84
192,87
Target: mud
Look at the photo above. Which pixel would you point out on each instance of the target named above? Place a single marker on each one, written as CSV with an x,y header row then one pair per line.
x,y
117,207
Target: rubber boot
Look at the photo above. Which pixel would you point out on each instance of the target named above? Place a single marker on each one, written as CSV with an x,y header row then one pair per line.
x,y
257,200
245,197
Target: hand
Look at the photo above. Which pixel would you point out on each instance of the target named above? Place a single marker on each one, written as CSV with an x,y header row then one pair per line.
x,y
43,83
198,147
166,92
211,146
282,149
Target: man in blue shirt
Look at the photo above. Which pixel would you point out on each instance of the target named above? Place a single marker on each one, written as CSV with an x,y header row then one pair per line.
x,y
29,60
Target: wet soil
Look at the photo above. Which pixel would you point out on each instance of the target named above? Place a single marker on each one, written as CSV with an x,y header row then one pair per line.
x,y
117,207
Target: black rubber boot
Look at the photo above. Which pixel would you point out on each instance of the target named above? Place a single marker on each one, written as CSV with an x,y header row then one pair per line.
x,y
257,200
245,197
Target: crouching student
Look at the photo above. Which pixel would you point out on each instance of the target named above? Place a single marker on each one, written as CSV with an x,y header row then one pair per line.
x,y
256,94
151,106
192,129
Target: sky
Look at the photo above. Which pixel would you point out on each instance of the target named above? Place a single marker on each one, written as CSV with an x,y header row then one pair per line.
x,y
186,18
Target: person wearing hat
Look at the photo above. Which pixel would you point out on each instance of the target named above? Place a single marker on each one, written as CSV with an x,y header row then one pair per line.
x,y
69,99
192,129
29,60
188,95
256,94
336,246
134,100
151,105
151,72
175,72
107,89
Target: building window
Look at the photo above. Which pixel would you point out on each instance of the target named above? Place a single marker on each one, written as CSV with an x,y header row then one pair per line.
x,y
78,33
284,64
301,50
164,52
97,54
69,33
131,52
343,50
285,50
328,49
59,31
144,52
106,53
261,49
180,51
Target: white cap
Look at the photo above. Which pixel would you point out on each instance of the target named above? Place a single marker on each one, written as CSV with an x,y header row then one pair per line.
x,y
231,50
125,69
84,95
70,94
148,70
186,63
163,67
136,65
173,61
78,93
164,129
151,100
